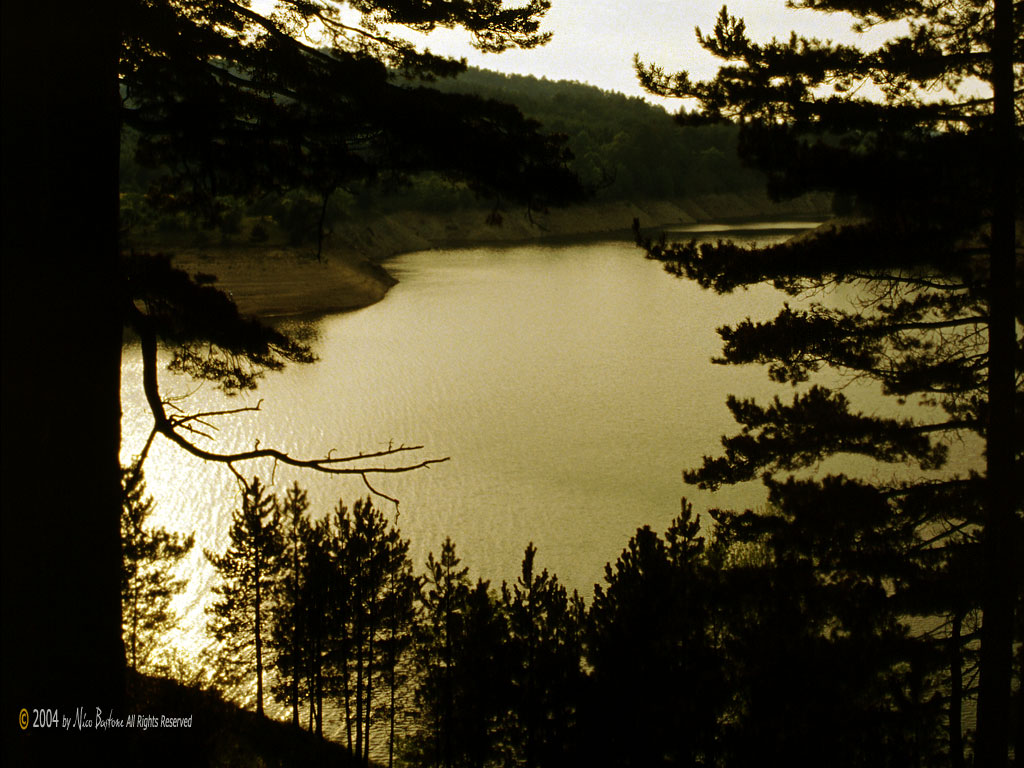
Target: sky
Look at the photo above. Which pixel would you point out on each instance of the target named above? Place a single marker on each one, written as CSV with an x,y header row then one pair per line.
x,y
594,40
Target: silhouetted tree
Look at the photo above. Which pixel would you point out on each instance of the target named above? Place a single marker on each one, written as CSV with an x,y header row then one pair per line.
x,y
290,635
147,576
444,598
323,601
61,625
932,263
544,649
248,570
657,689
483,672
370,615
462,676
399,605
820,665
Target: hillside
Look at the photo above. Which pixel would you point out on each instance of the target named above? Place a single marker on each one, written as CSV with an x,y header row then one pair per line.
x,y
625,150
623,147
636,160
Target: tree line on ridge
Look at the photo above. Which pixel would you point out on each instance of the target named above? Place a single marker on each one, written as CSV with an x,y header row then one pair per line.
x,y
621,148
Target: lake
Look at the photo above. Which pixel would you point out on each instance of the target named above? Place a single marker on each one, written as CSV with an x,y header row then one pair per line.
x,y
568,385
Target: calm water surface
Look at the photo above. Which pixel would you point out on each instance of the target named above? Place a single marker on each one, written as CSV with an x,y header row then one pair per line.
x,y
567,384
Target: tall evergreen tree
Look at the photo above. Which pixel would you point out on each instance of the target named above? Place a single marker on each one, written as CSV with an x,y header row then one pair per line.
x,y
323,598
544,649
463,689
819,663
370,618
147,576
239,616
444,599
931,163
656,689
290,633
399,605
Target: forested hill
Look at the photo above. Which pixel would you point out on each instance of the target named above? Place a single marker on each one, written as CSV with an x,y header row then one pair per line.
x,y
623,146
625,150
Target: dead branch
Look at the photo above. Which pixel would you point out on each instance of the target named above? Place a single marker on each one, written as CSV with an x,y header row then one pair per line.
x,y
329,464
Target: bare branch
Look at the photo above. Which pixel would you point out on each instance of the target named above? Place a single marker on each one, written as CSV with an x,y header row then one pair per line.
x,y
206,414
141,458
373,490
329,464
238,476
199,432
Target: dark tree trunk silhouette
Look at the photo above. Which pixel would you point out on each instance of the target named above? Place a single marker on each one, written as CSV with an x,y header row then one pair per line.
x,y
257,627
325,198
956,686
61,619
1001,537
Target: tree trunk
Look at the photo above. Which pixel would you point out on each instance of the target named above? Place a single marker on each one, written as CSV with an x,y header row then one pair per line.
x,y
999,584
320,697
368,717
392,662
61,495
296,642
347,696
359,686
256,629
956,692
134,608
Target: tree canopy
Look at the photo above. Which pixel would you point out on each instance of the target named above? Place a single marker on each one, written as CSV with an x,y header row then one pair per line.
x,y
622,148
147,576
323,95
919,135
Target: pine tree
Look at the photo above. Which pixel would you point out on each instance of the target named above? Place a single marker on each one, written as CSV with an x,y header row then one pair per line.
x,y
439,640
544,649
929,161
369,618
820,664
323,598
248,570
399,604
290,612
656,690
147,575
483,674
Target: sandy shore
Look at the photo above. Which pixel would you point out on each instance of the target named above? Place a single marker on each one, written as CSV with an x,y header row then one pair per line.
x,y
277,282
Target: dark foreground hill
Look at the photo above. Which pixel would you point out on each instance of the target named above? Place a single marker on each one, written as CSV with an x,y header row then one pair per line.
x,y
169,725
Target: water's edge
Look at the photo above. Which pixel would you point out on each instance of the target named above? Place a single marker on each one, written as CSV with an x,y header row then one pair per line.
x,y
275,283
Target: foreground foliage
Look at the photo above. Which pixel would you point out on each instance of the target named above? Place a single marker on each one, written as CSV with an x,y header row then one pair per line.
x,y
745,640
931,169
150,556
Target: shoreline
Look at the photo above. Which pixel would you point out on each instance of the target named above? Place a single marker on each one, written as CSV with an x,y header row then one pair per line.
x,y
275,282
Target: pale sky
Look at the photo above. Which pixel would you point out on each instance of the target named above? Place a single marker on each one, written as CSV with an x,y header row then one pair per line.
x,y
594,40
